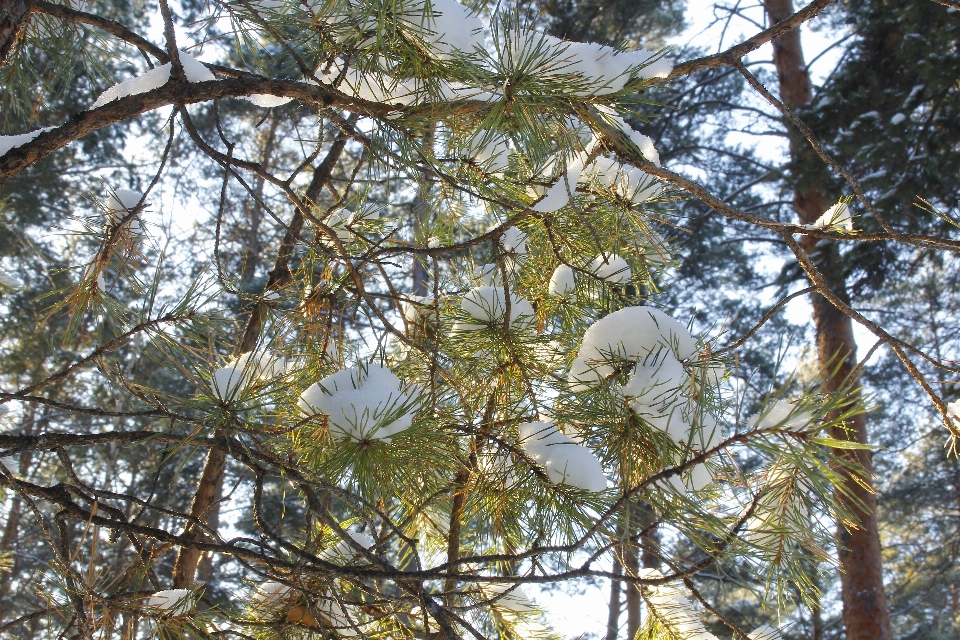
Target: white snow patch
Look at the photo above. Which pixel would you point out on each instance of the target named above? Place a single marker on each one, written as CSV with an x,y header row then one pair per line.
x,y
12,142
362,404
172,602
611,268
194,70
10,281
565,461
836,216
487,304
563,284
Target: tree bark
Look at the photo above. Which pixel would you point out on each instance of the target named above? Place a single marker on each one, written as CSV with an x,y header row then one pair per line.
x,y
185,566
14,15
865,611
613,615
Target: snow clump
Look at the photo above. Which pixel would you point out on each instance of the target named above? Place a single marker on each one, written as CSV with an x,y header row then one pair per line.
x,y
655,346
514,241
12,142
558,196
344,551
603,70
631,334
611,268
172,602
119,203
193,69
267,100
780,414
10,281
765,632
447,28
629,182
487,304
415,309
838,216
565,461
361,403
508,597
953,410
491,152
562,282
241,371
674,608
270,595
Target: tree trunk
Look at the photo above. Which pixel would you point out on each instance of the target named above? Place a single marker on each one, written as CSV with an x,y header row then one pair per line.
x,y
613,615
421,215
14,15
185,566
631,566
865,612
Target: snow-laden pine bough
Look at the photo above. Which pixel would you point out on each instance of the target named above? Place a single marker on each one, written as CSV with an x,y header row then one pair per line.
x,y
388,455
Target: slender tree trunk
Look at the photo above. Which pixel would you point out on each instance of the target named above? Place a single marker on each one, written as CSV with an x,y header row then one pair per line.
x,y
254,212
865,612
631,566
613,616
185,567
421,215
206,568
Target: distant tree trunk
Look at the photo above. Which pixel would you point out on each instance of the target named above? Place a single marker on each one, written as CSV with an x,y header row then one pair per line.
x,y
631,566
254,212
642,521
865,612
613,614
421,215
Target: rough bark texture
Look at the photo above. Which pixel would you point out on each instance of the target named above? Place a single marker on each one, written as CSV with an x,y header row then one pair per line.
x,y
865,611
205,499
14,15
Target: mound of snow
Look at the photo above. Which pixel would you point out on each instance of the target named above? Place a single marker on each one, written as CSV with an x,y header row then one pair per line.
x,y
10,281
415,309
12,142
344,551
565,461
193,69
228,381
508,597
514,241
490,151
562,282
172,602
602,69
838,216
487,304
361,404
780,414
611,268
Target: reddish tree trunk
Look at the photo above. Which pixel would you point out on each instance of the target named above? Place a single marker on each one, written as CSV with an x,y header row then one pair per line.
x,y
865,611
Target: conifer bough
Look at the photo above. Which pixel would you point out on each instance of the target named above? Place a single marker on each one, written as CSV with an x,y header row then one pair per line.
x,y
396,462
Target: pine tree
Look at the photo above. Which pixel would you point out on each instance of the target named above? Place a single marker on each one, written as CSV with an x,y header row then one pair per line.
x,y
399,464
